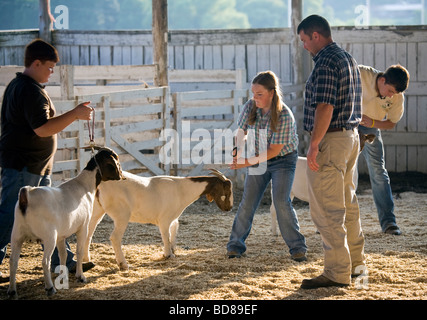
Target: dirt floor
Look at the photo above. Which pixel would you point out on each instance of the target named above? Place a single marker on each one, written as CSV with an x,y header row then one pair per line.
x,y
397,265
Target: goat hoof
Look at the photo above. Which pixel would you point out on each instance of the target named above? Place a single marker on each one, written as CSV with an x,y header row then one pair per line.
x,y
123,266
81,279
51,291
12,294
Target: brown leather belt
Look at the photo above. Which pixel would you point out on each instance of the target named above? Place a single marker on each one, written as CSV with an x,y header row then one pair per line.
x,y
338,129
334,130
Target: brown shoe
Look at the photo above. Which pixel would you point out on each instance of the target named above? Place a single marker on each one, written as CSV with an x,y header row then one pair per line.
x,y
320,282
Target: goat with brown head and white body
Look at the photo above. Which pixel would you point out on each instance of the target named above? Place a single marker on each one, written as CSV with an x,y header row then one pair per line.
x,y
159,200
51,214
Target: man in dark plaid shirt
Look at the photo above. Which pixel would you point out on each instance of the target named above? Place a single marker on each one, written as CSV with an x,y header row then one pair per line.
x,y
332,112
335,80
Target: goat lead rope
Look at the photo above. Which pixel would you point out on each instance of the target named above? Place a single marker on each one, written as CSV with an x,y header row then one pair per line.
x,y
92,132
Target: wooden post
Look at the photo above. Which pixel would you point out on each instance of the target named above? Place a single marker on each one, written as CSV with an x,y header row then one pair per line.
x,y
296,49
67,82
298,68
45,22
160,40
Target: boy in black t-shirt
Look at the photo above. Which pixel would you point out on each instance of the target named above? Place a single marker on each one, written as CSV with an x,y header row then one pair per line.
x,y
28,136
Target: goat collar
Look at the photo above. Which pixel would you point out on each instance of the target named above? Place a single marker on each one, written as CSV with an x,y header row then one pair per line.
x,y
97,165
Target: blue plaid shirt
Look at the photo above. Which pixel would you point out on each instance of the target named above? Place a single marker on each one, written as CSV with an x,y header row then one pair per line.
x,y
335,80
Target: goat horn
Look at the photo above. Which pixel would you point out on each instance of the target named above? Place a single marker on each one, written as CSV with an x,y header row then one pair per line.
x,y
218,174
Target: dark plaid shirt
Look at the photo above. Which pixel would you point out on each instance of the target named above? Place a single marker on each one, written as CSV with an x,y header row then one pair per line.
x,y
335,80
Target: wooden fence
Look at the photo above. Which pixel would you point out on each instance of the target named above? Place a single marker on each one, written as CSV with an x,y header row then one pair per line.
x,y
128,121
255,50
68,81
132,116
216,113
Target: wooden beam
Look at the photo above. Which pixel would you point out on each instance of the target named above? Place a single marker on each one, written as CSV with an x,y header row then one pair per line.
x,y
296,49
160,39
45,21
297,53
391,138
67,81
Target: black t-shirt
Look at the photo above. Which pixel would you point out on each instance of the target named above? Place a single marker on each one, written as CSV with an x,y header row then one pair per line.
x,y
26,106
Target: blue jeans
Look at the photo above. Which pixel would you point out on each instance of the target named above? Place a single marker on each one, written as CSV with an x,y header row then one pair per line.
x,y
380,181
12,181
281,172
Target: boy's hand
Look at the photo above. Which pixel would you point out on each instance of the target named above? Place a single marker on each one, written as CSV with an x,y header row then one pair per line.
x,y
84,111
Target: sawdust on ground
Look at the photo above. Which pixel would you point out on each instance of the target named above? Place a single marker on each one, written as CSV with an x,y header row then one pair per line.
x,y
397,265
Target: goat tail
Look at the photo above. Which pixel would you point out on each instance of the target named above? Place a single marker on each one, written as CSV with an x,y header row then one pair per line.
x,y
23,200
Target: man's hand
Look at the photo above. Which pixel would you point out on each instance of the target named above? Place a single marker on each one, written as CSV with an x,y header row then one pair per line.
x,y
312,153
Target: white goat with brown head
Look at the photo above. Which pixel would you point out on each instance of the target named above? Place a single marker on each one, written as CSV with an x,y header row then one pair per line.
x,y
159,200
51,214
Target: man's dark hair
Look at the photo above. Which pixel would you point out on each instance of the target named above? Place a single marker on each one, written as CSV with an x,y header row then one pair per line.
x,y
40,50
315,23
397,76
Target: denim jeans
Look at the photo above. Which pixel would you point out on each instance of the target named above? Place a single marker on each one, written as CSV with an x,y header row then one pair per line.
x,y
12,181
380,181
281,173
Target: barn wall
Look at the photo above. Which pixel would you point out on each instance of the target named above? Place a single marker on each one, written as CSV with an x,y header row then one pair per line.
x,y
256,50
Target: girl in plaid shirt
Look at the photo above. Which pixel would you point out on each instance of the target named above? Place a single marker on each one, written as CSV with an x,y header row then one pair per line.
x,y
272,125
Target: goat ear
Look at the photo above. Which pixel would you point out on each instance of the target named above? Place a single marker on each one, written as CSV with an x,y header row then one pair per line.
x,y
209,197
111,172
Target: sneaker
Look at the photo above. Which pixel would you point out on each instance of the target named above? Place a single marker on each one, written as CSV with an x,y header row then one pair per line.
x,y
299,257
234,254
393,230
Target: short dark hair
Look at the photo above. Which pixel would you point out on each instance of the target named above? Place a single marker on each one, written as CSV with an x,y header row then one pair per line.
x,y
315,23
40,50
397,76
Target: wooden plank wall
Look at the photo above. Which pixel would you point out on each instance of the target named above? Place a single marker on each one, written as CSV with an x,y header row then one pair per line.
x,y
128,121
256,50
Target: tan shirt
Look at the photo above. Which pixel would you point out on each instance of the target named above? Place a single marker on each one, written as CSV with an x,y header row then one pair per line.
x,y
373,105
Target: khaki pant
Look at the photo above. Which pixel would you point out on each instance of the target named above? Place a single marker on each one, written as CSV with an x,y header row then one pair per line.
x,y
334,207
